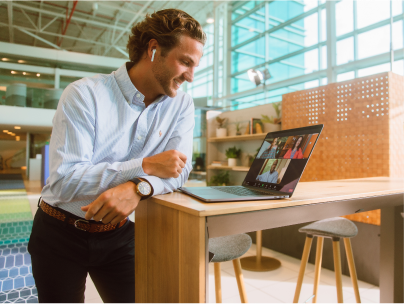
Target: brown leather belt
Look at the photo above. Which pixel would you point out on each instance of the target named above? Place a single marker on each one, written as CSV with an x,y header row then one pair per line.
x,y
79,223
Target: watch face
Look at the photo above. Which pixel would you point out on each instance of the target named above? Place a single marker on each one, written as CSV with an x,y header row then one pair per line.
x,y
144,188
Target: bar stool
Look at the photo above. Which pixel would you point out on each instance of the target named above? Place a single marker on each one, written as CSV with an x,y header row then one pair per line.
x,y
229,248
334,228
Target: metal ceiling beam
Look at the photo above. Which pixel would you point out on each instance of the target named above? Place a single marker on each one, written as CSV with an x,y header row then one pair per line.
x,y
39,38
60,35
10,21
120,8
29,19
127,28
76,18
39,22
118,15
121,51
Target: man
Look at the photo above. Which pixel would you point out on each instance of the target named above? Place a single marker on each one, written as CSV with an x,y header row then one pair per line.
x,y
270,176
116,139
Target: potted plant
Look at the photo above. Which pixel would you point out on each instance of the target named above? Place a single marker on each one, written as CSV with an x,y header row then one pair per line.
x,y
232,154
251,157
221,179
221,131
238,127
274,123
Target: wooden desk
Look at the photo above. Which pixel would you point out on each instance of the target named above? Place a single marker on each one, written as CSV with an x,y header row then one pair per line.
x,y
172,231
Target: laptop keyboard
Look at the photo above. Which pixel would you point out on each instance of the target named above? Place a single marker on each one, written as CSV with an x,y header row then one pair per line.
x,y
241,191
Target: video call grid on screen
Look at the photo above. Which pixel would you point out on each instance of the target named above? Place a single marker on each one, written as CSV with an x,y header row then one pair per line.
x,y
280,162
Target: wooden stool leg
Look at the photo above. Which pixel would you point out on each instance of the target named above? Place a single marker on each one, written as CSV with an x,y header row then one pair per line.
x,y
352,270
319,255
218,283
240,280
303,264
337,268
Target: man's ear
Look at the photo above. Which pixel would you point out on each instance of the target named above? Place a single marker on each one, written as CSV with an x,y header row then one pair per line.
x,y
153,45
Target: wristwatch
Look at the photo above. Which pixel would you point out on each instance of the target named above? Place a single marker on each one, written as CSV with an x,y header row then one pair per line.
x,y
143,188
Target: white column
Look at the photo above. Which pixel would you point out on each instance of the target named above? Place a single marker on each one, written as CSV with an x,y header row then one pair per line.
x,y
27,155
57,78
331,41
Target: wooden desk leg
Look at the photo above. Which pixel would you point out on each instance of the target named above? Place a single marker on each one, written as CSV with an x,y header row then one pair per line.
x,y
391,255
170,255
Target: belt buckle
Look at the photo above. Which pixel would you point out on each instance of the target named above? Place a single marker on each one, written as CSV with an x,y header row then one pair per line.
x,y
80,220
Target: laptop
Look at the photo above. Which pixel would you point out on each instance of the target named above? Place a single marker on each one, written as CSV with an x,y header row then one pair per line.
x,y
275,171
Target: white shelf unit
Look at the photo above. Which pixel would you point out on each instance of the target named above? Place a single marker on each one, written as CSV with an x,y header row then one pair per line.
x,y
216,146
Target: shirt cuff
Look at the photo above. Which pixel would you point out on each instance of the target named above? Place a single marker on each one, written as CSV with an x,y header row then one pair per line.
x,y
157,184
133,168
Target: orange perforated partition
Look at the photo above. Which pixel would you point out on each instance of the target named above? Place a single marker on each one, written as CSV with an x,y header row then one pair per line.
x,y
363,132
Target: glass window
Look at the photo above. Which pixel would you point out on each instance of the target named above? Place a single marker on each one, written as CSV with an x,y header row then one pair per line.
x,y
346,76
345,50
285,10
311,84
323,57
397,7
372,11
374,70
323,25
374,42
344,17
398,67
294,66
398,35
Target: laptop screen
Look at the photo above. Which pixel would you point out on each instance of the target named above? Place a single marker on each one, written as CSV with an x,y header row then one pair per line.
x,y
281,160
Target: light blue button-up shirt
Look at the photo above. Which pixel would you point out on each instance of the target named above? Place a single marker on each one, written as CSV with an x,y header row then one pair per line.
x,y
102,130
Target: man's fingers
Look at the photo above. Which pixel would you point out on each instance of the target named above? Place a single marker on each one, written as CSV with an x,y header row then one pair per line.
x,y
108,216
117,219
102,213
182,156
94,207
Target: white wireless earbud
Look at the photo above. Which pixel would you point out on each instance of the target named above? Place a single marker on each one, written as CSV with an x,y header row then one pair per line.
x,y
154,52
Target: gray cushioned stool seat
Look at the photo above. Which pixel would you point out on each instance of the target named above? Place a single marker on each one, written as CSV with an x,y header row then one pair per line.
x,y
227,248
332,227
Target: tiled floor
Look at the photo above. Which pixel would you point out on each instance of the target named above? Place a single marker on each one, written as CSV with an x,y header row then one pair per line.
x,y
270,287
16,281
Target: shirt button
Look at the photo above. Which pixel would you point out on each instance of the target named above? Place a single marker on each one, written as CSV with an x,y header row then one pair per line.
x,y
138,95
139,137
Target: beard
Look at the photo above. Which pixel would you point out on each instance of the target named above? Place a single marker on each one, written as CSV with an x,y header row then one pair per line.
x,y
163,76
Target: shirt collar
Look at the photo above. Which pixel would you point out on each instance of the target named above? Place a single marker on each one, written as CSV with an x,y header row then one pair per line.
x,y
129,91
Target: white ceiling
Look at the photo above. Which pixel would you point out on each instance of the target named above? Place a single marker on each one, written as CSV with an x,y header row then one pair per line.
x,y
95,27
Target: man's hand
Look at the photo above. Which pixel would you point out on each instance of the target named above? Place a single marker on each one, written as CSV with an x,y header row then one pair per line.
x,y
165,165
113,205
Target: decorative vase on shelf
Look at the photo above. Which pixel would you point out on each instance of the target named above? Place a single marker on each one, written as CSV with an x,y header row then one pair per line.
x,y
232,162
221,132
270,127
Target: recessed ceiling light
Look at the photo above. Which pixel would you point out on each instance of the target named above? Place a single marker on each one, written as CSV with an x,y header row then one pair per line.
x,y
21,61
13,72
5,59
24,73
5,131
38,75
17,127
